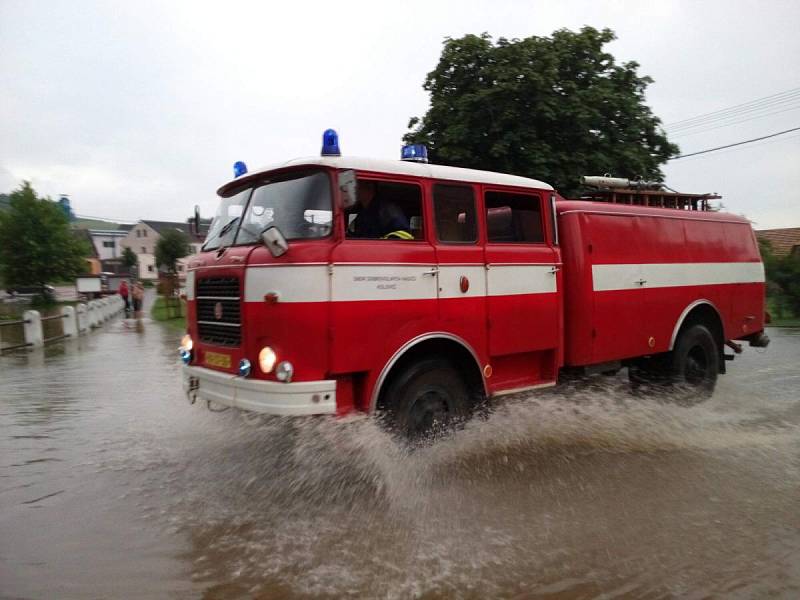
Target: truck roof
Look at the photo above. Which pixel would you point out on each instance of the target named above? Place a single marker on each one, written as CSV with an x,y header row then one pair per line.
x,y
575,206
395,167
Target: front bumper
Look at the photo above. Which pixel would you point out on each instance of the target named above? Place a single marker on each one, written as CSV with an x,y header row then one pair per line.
x,y
269,397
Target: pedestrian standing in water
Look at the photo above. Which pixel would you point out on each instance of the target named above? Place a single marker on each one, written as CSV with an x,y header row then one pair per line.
x,y
138,298
123,292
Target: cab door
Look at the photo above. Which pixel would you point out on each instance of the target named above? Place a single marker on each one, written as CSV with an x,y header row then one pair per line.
x,y
383,289
523,302
459,254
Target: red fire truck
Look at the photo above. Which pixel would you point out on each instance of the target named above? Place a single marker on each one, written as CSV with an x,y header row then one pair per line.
x,y
330,285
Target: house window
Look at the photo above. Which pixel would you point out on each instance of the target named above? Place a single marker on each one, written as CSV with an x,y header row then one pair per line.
x,y
144,250
180,268
138,233
514,218
144,232
108,244
149,268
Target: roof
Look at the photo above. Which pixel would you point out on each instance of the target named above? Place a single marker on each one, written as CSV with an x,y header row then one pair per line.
x,y
782,241
162,226
396,167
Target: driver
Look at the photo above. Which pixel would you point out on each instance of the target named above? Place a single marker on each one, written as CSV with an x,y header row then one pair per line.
x,y
378,218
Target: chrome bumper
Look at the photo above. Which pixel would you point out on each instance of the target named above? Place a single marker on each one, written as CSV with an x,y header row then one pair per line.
x,y
269,397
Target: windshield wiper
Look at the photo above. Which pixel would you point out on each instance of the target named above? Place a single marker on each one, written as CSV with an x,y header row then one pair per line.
x,y
227,227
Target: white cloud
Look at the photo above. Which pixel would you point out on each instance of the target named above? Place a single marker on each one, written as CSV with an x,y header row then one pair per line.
x,y
139,110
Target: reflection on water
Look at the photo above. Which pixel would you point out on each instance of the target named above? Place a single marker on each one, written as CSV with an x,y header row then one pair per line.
x,y
112,485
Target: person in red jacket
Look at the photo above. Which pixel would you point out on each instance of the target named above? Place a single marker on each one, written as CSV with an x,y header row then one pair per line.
x,y
123,291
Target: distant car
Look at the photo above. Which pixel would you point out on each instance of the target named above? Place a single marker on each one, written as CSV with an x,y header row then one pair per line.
x,y
48,291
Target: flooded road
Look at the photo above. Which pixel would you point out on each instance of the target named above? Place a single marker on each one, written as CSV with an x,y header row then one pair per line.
x,y
113,486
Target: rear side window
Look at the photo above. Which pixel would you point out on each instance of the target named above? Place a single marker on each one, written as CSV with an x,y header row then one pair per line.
x,y
454,206
514,218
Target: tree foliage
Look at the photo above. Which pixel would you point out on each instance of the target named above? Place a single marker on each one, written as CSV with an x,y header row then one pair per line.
x,y
783,278
554,108
129,258
172,245
37,245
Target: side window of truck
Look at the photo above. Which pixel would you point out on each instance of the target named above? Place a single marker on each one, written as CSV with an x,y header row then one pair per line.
x,y
454,206
386,210
514,217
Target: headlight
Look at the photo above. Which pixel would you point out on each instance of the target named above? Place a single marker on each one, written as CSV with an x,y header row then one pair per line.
x,y
285,371
186,356
244,367
187,343
266,359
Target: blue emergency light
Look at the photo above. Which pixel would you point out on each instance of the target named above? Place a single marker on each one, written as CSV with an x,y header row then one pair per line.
x,y
239,168
415,153
330,143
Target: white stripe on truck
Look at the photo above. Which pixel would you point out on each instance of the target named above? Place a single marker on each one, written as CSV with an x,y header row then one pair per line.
x,y
638,276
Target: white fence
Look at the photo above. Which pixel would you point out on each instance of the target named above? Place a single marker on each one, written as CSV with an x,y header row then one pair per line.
x,y
75,320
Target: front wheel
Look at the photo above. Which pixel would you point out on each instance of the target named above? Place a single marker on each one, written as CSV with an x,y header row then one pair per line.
x,y
695,364
426,399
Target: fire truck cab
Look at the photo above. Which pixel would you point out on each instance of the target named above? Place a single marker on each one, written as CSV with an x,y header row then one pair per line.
x,y
330,285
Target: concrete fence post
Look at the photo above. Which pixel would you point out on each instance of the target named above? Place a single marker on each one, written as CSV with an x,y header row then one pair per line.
x,y
33,328
83,318
104,308
69,321
92,313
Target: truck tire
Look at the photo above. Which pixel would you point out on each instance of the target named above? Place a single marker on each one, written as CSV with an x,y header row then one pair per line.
x,y
695,364
428,398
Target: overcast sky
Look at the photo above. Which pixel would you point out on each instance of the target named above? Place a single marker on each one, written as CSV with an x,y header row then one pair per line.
x,y
137,110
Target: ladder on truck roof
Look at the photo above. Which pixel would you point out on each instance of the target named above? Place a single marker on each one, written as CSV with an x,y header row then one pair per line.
x,y
642,193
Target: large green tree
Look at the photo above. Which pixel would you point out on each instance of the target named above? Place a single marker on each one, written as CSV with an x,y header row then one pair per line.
x,y
37,245
553,108
172,245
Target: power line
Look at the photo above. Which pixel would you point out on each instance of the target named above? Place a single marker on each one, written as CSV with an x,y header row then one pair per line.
x,y
793,102
766,100
776,112
764,137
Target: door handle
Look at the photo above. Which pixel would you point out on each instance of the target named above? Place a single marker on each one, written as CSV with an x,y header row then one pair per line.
x,y
554,269
430,272
641,281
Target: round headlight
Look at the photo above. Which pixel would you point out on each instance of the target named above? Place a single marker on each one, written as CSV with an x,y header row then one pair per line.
x,y
244,367
187,343
285,371
266,359
186,356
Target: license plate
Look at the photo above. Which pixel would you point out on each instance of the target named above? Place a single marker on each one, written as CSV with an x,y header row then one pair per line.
x,y
216,359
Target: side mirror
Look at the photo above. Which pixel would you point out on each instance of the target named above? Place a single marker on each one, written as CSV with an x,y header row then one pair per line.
x,y
274,241
348,187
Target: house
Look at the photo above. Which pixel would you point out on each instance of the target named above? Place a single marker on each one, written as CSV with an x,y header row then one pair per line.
x,y
782,241
143,237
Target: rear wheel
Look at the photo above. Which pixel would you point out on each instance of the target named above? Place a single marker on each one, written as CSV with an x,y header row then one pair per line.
x,y
426,399
695,364
687,375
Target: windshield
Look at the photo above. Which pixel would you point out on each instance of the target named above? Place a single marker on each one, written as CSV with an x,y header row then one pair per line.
x,y
223,228
299,204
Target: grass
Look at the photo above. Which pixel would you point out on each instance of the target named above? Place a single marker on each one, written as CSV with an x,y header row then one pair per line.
x,y
172,315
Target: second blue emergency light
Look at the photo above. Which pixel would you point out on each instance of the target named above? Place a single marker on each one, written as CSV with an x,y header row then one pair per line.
x,y
415,153
239,168
330,143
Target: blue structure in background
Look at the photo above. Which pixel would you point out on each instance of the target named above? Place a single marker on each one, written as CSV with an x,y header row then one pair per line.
x,y
63,202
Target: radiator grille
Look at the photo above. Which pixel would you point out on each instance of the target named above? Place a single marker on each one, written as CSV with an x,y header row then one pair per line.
x,y
219,311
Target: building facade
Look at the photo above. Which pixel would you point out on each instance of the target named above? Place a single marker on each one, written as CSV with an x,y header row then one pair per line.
x,y
142,239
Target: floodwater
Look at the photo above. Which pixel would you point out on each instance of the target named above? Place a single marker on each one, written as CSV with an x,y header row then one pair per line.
x,y
113,486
